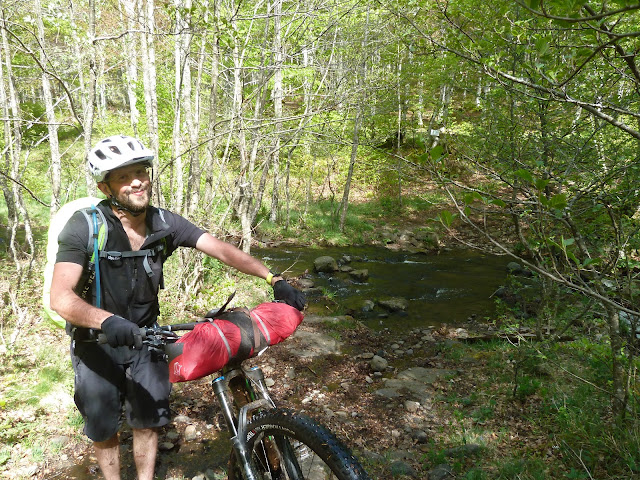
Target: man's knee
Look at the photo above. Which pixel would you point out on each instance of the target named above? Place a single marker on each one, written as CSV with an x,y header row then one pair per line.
x,y
109,443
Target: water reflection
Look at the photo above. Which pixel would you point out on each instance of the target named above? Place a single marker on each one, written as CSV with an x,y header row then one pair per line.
x,y
447,288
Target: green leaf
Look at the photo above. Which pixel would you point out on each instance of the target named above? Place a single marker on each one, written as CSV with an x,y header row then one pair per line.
x,y
591,261
568,241
572,257
558,201
541,184
436,153
471,197
542,46
498,202
445,218
525,175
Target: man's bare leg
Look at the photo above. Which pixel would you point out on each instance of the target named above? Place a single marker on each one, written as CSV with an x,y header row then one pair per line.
x,y
145,447
108,455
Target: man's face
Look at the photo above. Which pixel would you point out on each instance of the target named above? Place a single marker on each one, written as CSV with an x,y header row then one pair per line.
x,y
130,186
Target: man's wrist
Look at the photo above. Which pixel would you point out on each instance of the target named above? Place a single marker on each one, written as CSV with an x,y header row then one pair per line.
x,y
273,277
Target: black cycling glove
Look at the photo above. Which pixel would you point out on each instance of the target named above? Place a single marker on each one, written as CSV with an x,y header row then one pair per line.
x,y
290,295
121,332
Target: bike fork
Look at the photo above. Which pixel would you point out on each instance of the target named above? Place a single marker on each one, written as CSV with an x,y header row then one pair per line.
x,y
238,427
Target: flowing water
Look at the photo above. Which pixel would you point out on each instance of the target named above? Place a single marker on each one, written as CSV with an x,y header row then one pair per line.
x,y
448,287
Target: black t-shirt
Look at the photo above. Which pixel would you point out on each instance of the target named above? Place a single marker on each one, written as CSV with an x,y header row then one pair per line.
x,y
127,289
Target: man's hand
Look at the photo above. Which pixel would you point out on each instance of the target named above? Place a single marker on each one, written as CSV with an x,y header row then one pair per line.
x,y
290,295
121,332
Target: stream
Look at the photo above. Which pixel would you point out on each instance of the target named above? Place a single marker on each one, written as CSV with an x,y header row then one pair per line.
x,y
448,287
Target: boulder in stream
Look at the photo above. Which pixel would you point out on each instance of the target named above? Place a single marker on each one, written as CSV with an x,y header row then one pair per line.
x,y
325,264
394,304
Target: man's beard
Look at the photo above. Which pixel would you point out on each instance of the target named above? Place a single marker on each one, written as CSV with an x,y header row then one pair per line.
x,y
134,204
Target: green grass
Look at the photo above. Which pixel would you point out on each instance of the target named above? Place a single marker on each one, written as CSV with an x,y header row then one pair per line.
x,y
321,225
570,432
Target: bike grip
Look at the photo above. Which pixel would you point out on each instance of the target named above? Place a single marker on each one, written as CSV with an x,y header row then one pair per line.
x,y
102,338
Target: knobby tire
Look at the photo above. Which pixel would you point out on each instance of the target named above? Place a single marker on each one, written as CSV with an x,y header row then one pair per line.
x,y
306,450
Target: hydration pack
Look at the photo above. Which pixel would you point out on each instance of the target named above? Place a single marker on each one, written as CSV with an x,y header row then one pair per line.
x,y
97,239
95,218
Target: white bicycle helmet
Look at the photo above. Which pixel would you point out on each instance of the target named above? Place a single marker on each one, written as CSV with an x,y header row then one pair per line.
x,y
115,152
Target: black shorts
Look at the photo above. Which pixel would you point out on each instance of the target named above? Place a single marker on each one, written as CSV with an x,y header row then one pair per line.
x,y
108,379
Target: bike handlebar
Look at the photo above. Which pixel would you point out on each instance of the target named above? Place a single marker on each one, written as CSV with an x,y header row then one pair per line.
x,y
162,334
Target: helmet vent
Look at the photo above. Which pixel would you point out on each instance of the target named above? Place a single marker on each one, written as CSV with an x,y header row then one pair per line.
x,y
115,149
100,155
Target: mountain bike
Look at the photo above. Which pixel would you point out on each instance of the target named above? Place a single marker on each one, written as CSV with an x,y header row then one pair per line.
x,y
267,442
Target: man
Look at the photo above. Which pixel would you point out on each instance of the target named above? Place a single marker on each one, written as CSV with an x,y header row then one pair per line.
x,y
113,377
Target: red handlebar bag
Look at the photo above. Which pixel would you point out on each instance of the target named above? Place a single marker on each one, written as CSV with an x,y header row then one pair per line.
x,y
235,335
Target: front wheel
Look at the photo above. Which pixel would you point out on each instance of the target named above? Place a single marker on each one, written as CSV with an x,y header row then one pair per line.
x,y
285,445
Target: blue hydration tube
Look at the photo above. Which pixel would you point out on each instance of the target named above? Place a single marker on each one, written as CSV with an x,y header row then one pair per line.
x,y
96,256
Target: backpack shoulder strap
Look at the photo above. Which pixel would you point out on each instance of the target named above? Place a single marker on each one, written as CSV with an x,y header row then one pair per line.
x,y
103,230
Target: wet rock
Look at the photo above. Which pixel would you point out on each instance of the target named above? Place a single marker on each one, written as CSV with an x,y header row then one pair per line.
x,y
394,304
309,344
416,382
212,475
441,472
345,259
400,468
463,450
182,419
325,264
365,356
389,393
411,406
420,436
60,439
165,446
368,306
190,433
361,275
514,268
305,283
311,318
378,364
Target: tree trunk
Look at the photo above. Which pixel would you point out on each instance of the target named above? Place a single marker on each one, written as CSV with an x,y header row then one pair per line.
x,y
277,106
52,122
90,93
352,163
356,131
212,128
131,55
193,127
182,92
150,95
13,148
